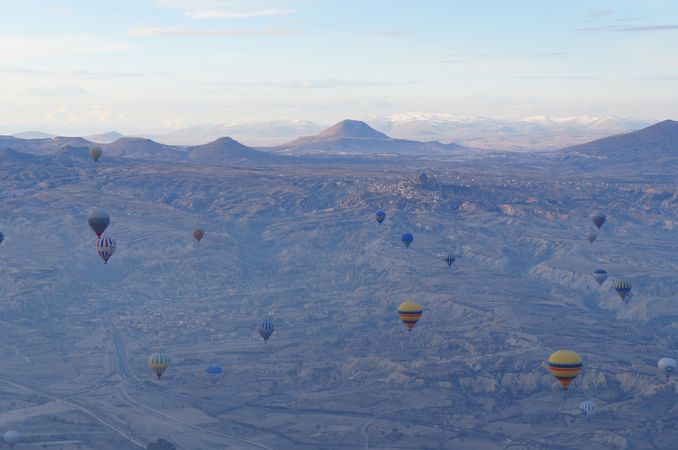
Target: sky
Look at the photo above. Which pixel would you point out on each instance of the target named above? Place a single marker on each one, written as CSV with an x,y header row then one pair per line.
x,y
77,67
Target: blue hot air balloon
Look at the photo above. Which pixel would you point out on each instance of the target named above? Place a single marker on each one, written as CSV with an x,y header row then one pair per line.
x,y
380,216
407,239
214,373
600,276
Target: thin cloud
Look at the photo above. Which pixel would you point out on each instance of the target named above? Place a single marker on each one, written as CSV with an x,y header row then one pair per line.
x,y
660,78
627,29
602,12
204,14
547,77
18,48
58,91
71,73
194,32
388,33
453,58
306,84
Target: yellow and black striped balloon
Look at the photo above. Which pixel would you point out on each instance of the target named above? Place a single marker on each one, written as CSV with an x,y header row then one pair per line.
x,y
410,313
565,365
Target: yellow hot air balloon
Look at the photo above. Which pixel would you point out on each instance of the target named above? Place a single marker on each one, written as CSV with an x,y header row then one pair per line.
x,y
95,153
410,313
565,365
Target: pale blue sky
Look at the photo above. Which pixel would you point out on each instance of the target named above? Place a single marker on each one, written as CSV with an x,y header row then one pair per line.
x,y
150,65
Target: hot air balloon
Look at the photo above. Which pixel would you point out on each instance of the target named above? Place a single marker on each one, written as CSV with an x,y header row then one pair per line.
x,y
623,289
380,216
265,329
450,259
667,366
12,437
214,373
598,219
588,408
2,238
410,313
565,365
95,153
198,234
591,237
105,247
98,220
600,276
407,239
158,362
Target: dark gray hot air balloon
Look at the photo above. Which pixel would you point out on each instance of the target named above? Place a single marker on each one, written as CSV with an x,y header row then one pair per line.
x,y
598,219
98,220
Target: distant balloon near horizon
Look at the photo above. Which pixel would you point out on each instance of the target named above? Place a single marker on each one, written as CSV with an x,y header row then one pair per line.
x,y
598,219
667,366
12,437
98,220
158,362
410,313
214,373
198,234
105,248
623,289
407,239
265,329
588,408
591,237
565,365
95,153
380,216
600,276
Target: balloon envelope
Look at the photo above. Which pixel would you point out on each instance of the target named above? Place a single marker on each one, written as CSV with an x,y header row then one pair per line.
x,y
410,313
623,289
265,329
588,407
591,237
380,216
12,437
98,220
598,219
407,239
565,365
198,234
667,366
158,362
105,248
2,238
600,276
214,373
450,259
95,153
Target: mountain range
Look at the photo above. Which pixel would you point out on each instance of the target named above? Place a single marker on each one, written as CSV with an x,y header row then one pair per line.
x,y
651,150
508,133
